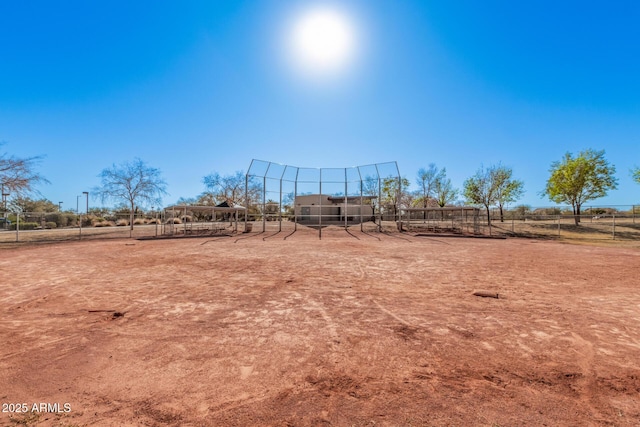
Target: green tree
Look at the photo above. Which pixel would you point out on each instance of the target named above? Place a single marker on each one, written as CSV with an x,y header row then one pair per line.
x,y
481,190
635,174
443,189
507,189
394,194
134,183
576,180
27,204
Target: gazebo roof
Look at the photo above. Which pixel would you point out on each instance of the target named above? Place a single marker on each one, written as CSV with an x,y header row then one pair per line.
x,y
204,208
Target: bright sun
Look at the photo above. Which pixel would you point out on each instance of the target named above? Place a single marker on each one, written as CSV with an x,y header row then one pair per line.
x,y
322,41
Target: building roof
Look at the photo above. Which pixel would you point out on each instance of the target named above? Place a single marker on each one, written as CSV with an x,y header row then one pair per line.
x,y
202,208
438,209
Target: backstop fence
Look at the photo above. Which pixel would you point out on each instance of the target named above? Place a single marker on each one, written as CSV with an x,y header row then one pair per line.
x,y
319,197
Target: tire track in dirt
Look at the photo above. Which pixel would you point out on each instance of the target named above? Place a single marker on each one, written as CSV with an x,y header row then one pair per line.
x,y
585,354
334,338
392,314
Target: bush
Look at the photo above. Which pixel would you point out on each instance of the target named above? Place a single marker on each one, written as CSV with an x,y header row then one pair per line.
x,y
25,225
104,224
122,222
174,221
138,221
154,221
59,218
51,224
97,220
186,218
88,220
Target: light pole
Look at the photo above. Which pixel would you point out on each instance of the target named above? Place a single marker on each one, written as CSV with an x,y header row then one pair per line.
x,y
155,221
79,216
86,193
4,200
4,205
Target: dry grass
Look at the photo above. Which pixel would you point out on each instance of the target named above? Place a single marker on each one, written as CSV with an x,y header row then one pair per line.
x,y
104,224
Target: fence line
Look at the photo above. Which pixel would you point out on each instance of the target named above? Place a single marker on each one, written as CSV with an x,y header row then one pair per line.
x,y
599,223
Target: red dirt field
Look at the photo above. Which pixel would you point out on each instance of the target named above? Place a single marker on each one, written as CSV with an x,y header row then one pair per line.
x,y
352,330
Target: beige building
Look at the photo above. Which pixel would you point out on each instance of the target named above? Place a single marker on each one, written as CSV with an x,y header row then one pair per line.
x,y
321,208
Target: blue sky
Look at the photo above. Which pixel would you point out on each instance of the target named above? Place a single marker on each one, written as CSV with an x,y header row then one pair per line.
x,y
201,86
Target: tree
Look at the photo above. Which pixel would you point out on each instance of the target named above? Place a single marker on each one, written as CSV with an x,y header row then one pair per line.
x,y
26,204
18,175
443,190
426,181
635,174
480,189
507,189
231,189
521,211
394,194
134,183
575,180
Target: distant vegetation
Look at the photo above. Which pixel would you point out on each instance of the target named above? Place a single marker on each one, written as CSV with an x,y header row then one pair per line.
x,y
573,181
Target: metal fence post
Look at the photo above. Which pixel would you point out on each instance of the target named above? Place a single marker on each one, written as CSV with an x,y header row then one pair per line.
x,y
614,227
558,225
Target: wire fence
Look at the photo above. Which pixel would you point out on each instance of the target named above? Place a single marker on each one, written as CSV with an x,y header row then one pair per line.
x,y
614,226
65,226
603,223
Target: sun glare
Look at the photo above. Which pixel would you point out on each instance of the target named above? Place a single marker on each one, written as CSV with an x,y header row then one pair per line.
x,y
322,41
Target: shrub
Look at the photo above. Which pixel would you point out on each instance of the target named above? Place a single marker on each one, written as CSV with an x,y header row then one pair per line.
x,y
97,220
59,218
138,221
174,221
104,224
88,220
122,222
186,218
51,224
154,221
25,225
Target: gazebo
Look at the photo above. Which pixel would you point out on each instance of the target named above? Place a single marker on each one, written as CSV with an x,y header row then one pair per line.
x,y
212,225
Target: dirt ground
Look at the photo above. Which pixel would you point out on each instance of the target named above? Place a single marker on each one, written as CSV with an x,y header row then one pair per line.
x,y
284,329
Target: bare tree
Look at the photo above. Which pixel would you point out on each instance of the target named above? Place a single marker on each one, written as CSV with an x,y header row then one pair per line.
x,y
231,189
426,181
18,175
134,182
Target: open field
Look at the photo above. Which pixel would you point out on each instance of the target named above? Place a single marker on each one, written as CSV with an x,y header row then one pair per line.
x,y
355,329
